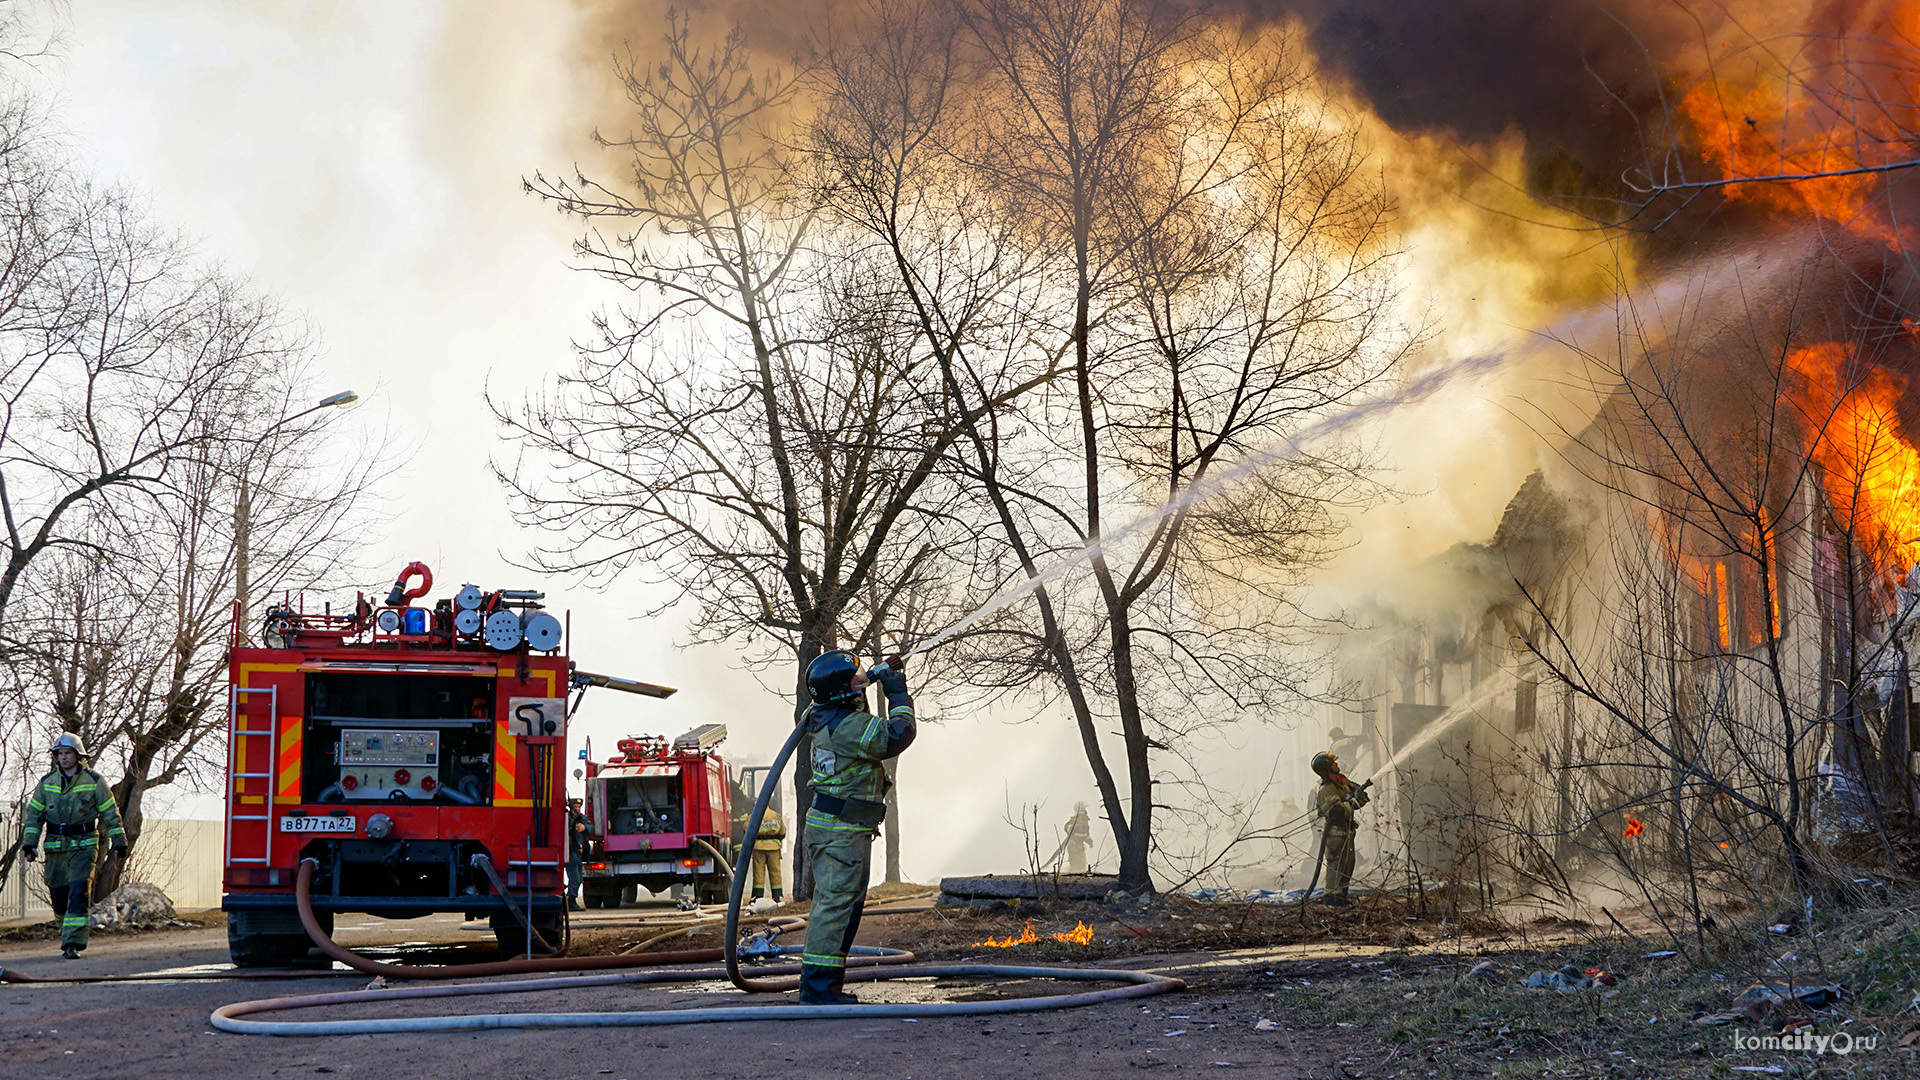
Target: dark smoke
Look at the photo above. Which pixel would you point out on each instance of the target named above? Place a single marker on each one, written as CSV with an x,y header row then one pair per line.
x,y
1565,73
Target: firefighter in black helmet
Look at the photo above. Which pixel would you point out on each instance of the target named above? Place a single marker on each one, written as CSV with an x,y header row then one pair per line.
x,y
849,802
1336,800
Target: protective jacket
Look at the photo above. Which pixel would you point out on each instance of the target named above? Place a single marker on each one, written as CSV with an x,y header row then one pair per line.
x,y
849,782
1079,827
1334,801
70,811
773,832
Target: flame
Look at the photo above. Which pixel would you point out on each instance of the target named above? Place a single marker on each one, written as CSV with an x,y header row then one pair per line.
x,y
1081,934
1026,936
1634,828
1870,471
1836,104
1762,131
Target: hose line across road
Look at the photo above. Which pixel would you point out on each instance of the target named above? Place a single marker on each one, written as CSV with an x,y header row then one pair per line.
x,y
237,1017
865,964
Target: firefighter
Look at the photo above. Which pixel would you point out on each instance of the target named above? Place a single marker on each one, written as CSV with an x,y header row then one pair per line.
x,y
576,850
1079,835
767,845
849,802
71,803
1336,800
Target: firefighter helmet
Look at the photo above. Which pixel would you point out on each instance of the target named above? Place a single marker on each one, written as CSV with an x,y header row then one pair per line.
x,y
1325,764
830,678
67,740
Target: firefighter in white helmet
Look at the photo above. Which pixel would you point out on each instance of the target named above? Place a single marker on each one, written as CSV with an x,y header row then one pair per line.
x,y
71,804
1335,801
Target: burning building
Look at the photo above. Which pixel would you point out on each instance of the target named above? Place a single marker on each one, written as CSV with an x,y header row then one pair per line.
x,y
1688,640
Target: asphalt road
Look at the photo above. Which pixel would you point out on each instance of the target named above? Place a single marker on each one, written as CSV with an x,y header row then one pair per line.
x,y
160,1029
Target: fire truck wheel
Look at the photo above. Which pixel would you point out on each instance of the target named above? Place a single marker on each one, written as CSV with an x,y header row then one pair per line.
x,y
274,939
629,894
601,894
712,891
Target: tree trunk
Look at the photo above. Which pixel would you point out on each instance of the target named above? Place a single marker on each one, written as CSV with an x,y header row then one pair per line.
x,y
128,796
1899,787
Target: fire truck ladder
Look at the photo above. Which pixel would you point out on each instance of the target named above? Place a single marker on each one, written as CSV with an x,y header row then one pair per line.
x,y
235,733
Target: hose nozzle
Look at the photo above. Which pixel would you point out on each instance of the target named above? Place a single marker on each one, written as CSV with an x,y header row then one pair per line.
x,y
896,662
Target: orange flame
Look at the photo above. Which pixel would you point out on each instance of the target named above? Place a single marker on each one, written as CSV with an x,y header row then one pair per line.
x,y
1870,471
1081,934
1757,131
1026,936
1634,828
1836,106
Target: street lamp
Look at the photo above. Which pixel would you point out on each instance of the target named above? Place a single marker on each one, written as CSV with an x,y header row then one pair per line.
x,y
243,508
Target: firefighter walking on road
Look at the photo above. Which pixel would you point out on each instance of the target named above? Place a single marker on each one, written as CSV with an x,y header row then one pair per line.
x,y
849,803
69,805
767,845
1335,801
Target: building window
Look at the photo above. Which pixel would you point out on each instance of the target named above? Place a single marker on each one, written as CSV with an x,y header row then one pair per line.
x,y
1736,610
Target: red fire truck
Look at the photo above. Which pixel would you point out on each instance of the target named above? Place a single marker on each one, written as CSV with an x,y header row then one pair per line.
x,y
654,810
408,751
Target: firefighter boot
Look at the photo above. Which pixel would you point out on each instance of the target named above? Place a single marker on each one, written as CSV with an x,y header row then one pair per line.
x,y
777,898
820,985
68,952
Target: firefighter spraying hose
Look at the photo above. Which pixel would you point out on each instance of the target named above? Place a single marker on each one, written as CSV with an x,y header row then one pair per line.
x,y
1336,800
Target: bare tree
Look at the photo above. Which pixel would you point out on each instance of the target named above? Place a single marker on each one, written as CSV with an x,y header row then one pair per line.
x,y
751,431
135,386
1186,262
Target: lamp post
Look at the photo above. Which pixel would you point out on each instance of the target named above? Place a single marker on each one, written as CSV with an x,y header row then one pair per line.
x,y
243,508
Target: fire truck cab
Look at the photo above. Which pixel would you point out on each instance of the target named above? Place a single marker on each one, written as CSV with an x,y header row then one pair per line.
x,y
415,755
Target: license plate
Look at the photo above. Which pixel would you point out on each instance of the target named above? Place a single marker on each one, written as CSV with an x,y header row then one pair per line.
x,y
318,824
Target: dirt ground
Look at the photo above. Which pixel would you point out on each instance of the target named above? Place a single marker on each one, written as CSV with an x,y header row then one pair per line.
x,y
1375,991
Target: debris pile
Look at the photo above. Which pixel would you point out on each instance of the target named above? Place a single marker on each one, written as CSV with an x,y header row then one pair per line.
x,y
133,906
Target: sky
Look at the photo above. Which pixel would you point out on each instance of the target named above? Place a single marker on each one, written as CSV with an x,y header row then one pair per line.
x,y
362,163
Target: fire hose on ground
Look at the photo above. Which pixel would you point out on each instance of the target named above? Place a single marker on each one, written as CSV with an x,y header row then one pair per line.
x,y
866,963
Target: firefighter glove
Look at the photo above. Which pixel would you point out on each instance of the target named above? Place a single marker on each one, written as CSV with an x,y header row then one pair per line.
x,y
892,678
119,851
32,853
1361,798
